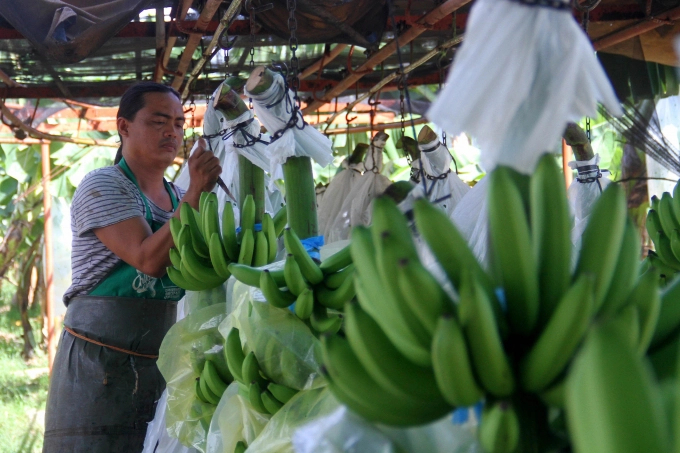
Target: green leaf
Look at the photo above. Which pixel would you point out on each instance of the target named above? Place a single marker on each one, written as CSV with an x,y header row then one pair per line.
x,y
8,188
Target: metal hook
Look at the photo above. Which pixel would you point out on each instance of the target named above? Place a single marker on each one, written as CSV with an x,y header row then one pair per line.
x,y
230,40
257,9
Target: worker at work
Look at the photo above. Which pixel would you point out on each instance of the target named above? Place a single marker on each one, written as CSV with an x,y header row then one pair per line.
x,y
105,383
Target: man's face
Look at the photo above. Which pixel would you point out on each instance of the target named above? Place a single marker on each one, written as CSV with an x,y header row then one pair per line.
x,y
157,130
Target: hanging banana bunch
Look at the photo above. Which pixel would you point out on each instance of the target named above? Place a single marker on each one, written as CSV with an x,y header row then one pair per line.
x,y
413,351
663,227
203,251
318,292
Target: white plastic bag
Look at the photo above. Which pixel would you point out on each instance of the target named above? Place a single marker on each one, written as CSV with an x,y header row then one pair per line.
x,y
522,73
334,198
440,180
470,216
583,192
273,108
226,151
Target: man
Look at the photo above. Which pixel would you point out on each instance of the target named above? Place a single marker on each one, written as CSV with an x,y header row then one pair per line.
x,y
104,381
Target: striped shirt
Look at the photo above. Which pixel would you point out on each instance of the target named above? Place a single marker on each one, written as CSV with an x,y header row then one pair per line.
x,y
104,197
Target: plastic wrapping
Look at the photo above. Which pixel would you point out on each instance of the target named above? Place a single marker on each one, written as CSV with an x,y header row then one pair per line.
x,y
234,420
584,191
344,432
226,151
184,349
157,439
334,198
441,181
522,73
356,207
274,108
286,349
470,216
305,407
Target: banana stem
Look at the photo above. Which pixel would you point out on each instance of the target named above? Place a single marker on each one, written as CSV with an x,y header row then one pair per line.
x,y
300,196
534,436
251,182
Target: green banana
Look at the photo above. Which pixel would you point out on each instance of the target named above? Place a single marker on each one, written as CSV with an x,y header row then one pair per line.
x,y
390,254
271,291
353,386
213,379
261,252
645,296
423,294
280,220
663,249
272,240
310,270
248,214
175,257
486,349
251,276
199,393
335,298
218,256
550,234
178,279
184,237
601,240
627,322
653,225
255,398
188,217
451,363
560,337
654,202
304,304
201,200
240,447
334,280
613,405
245,255
234,354
251,370
676,201
384,363
512,253
554,395
175,227
294,280
387,217
339,260
211,220
281,392
666,215
207,393
229,232
669,315
626,272
322,322
270,402
197,269
499,429
371,296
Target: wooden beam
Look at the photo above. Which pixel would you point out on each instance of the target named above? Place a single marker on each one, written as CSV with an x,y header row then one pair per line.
x,y
49,262
376,127
320,64
638,28
390,48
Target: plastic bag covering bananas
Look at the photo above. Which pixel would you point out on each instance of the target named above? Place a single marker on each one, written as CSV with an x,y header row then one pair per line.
x,y
663,227
318,291
513,330
204,251
264,396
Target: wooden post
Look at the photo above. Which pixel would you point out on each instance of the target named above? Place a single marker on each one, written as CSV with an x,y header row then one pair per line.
x,y
49,269
567,154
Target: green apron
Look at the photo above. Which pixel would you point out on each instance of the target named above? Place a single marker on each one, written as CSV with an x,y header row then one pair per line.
x,y
105,383
126,281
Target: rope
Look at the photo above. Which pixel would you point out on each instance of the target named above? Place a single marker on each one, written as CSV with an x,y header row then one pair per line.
x,y
124,351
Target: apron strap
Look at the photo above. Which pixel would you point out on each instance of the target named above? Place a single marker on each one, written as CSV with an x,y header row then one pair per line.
x,y
131,176
124,351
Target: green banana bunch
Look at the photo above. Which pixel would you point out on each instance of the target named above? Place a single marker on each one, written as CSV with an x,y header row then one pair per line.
x,y
210,250
265,396
313,288
663,227
499,428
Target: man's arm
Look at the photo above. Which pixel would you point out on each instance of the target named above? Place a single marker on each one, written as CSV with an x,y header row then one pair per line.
x,y
133,241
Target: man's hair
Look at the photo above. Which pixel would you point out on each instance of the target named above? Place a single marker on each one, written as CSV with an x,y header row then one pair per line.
x,y
133,100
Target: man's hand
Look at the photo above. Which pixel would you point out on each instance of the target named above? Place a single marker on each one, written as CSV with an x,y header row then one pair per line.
x,y
204,169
